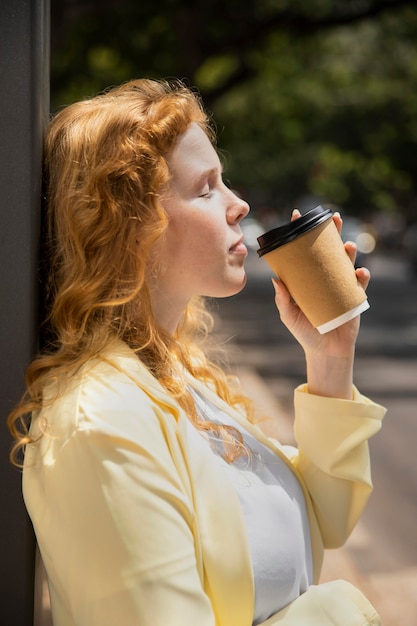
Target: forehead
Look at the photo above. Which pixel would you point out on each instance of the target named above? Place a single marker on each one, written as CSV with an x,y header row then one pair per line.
x,y
192,151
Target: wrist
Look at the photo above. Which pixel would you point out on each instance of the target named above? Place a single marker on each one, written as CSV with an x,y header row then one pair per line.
x,y
330,376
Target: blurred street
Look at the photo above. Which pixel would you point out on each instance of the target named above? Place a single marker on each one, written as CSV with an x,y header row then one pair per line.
x,y
381,555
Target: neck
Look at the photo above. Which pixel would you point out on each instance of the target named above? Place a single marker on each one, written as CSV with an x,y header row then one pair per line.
x,y
167,312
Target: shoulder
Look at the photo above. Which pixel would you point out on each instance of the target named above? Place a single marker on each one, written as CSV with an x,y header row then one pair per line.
x,y
113,394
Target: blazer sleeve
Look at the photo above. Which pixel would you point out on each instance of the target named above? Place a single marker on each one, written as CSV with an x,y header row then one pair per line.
x,y
333,458
335,602
117,520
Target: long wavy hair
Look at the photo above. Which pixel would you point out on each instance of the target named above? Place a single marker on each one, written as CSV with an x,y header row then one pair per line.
x,y
104,170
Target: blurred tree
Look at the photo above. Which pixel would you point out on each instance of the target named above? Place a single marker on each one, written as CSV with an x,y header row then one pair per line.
x,y
312,98
335,117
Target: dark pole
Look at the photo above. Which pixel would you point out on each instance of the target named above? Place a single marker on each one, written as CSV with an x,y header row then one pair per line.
x,y
24,107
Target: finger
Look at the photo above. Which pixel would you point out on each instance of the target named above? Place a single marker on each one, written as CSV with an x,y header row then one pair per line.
x,y
364,276
288,311
282,296
338,221
295,214
351,250
282,299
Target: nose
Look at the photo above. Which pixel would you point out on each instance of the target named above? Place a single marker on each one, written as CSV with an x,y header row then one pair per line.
x,y
237,208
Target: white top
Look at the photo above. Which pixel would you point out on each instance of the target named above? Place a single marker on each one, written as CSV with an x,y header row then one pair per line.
x,y
274,512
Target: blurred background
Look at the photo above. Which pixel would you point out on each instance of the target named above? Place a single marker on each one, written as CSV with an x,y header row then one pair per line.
x,y
315,100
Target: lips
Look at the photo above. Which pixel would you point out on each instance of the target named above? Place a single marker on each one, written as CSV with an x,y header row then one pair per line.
x,y
239,247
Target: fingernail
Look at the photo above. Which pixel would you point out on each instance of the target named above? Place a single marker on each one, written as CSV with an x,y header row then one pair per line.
x,y
276,286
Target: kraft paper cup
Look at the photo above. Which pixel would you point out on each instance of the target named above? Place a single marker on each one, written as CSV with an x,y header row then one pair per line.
x,y
309,257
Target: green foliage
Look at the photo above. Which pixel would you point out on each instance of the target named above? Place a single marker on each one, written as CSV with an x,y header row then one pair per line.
x,y
311,98
335,116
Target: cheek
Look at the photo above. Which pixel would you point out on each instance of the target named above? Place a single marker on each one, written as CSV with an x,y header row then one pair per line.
x,y
196,234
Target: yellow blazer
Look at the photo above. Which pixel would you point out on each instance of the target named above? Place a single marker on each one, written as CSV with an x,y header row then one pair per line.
x,y
135,528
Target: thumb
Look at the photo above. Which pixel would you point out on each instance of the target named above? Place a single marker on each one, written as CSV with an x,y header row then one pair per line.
x,y
288,311
282,295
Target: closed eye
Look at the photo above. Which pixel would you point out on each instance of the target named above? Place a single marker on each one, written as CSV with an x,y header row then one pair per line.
x,y
208,181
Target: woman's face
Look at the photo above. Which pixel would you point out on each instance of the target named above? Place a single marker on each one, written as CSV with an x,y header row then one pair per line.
x,y
202,252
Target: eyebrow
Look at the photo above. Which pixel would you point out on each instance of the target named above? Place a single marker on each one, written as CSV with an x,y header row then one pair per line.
x,y
207,173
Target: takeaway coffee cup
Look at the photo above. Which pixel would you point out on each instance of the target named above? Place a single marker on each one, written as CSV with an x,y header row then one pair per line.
x,y
308,255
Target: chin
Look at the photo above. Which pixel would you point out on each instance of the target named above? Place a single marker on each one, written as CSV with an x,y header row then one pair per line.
x,y
230,286
235,288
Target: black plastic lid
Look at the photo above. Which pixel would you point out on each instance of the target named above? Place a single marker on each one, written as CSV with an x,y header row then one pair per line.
x,y
284,234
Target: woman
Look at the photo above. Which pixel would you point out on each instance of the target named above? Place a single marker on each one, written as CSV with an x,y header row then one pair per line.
x,y
155,499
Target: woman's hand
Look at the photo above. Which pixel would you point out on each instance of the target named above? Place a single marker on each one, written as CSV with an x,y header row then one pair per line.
x,y
329,356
